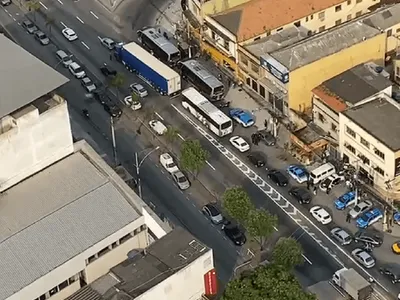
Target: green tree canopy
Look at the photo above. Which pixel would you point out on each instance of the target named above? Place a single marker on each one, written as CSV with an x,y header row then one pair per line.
x,y
287,253
193,156
118,81
33,6
171,135
260,225
269,282
237,204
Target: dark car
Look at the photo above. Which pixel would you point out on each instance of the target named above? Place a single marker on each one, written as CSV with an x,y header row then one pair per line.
x,y
371,238
100,96
112,109
278,177
256,159
266,137
107,71
392,271
301,195
234,233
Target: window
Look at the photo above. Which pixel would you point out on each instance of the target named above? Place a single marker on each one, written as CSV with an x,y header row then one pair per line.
x,y
379,153
322,28
262,91
338,22
91,259
333,127
104,251
348,17
254,68
397,70
63,285
358,14
358,1
338,8
72,280
257,38
297,24
350,132
351,148
43,297
389,32
114,245
125,238
243,59
321,117
348,2
53,291
311,17
397,30
365,160
279,29
306,19
380,171
364,142
321,15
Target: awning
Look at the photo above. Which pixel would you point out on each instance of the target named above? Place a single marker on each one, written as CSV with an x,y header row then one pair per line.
x,y
191,18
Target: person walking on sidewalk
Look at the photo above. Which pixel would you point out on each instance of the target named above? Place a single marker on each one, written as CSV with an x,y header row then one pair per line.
x,y
328,190
348,218
315,190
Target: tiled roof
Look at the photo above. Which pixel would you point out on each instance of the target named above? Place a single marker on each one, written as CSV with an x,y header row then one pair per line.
x,y
331,100
258,16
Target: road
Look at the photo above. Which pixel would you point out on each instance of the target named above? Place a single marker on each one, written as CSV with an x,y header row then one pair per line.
x,y
180,208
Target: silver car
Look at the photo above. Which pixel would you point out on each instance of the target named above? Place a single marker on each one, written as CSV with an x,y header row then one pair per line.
x,y
341,236
363,257
213,213
360,208
139,90
181,180
42,38
88,84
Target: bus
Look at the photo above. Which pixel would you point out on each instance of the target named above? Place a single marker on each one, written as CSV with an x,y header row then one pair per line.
x,y
157,43
206,112
207,83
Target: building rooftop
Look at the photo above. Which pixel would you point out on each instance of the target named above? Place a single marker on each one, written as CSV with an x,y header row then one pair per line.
x,y
351,87
68,211
380,118
20,83
211,7
278,40
384,18
144,270
324,44
255,17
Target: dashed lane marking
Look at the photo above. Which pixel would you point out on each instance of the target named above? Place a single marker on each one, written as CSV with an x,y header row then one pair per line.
x,y
80,20
210,165
181,137
94,15
59,1
44,6
65,26
306,259
84,44
158,115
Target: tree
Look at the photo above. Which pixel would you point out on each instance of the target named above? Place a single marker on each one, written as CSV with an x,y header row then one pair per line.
x,y
171,135
260,225
118,81
237,204
266,282
193,156
34,6
49,23
287,253
148,116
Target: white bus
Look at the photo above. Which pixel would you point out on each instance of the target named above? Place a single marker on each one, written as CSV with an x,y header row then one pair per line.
x,y
206,112
201,78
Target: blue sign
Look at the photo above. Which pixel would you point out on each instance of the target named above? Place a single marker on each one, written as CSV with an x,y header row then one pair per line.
x,y
275,68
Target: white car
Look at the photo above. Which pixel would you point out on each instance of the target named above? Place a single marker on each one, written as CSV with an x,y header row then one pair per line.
x,y
239,143
139,90
107,42
330,182
88,84
158,127
321,215
76,70
168,163
69,34
363,257
133,104
360,208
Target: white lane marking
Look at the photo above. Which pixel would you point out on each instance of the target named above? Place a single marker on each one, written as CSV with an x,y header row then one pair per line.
x,y
63,24
94,15
306,259
210,165
10,15
6,10
80,20
158,115
14,19
59,1
84,44
181,137
268,189
44,6
276,229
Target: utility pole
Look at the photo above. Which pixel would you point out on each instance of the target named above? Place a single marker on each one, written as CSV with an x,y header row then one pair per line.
x,y
114,142
139,164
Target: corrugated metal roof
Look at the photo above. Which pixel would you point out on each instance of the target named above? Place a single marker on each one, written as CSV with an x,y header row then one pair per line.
x,y
69,207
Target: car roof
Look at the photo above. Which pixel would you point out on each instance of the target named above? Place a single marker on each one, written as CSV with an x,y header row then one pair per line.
x,y
373,212
28,22
212,207
392,267
69,31
74,64
365,203
86,79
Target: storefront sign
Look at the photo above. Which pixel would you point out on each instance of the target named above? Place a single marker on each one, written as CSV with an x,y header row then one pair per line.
x,y
210,283
275,68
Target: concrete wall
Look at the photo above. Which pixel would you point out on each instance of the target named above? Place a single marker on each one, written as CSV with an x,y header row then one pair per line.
x,y
304,79
393,38
34,142
330,119
187,284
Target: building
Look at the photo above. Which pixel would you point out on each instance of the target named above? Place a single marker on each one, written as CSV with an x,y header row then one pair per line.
x,y
66,216
370,141
348,89
175,267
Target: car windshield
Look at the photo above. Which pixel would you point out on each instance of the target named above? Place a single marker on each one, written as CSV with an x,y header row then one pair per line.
x,y
369,259
214,212
242,144
78,70
41,35
226,125
365,218
325,217
357,208
170,165
181,178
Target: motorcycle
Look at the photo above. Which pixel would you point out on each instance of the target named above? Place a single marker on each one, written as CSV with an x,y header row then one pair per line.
x,y
223,104
85,113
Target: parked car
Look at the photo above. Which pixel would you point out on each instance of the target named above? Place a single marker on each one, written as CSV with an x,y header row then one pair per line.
x,y
64,58
133,104
101,96
360,208
244,118
76,70
234,233
392,271
302,195
139,90
345,200
298,173
321,215
369,217
29,26
158,127
107,42
396,247
363,257
256,159
181,180
370,238
107,70
112,109
330,182
278,178
88,84
266,137
5,2
69,34
168,163
341,235
239,143
42,38
212,213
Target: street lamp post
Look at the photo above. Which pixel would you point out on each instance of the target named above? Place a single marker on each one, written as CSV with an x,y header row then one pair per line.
x,y
139,164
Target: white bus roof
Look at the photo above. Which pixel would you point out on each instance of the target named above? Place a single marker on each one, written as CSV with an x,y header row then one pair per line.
x,y
205,105
151,61
323,168
202,72
159,39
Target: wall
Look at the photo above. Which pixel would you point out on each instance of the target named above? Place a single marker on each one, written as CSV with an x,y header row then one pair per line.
x,y
216,6
304,79
331,119
187,284
35,142
393,38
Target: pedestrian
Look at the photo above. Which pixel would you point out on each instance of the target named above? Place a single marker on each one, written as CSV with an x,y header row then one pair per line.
x,y
111,56
265,123
256,140
315,190
328,190
253,138
220,77
308,184
348,218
